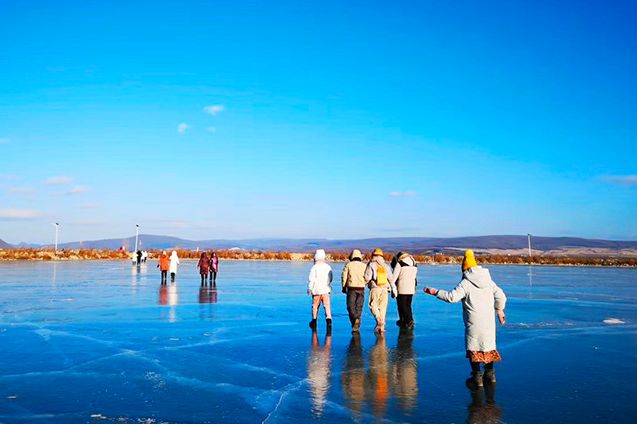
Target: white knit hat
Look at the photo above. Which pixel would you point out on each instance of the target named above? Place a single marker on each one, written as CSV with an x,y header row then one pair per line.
x,y
319,255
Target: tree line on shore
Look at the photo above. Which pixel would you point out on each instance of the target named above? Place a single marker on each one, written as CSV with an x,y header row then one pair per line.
x,y
105,254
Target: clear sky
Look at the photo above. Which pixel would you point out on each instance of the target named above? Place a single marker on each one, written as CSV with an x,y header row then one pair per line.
x,y
338,119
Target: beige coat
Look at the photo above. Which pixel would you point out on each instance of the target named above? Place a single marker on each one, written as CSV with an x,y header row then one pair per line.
x,y
354,275
404,277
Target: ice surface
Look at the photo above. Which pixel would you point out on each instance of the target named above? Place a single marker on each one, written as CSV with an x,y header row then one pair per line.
x,y
102,342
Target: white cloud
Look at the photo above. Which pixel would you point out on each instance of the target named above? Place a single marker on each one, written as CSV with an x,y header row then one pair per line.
x,y
211,129
624,180
19,214
214,109
58,180
402,193
21,190
78,189
4,140
88,205
181,128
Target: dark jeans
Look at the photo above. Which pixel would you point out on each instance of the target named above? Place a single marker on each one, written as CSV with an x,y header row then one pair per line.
x,y
404,308
204,278
164,274
355,300
475,366
213,277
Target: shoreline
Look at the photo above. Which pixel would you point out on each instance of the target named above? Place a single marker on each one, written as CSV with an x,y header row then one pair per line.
x,y
43,255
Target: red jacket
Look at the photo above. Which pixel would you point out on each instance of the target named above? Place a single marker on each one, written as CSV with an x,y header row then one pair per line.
x,y
164,263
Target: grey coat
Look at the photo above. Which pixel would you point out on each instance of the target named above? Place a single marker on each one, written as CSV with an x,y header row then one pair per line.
x,y
480,296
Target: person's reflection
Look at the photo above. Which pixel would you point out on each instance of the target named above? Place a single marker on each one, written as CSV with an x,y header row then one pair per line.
x,y
482,409
353,376
405,371
168,296
207,295
378,376
319,369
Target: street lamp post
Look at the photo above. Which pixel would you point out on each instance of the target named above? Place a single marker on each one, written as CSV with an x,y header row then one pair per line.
x,y
57,226
529,239
136,235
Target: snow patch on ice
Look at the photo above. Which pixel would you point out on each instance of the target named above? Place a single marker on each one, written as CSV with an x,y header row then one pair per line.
x,y
613,321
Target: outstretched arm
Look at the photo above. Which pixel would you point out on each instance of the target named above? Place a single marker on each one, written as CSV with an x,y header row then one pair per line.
x,y
453,296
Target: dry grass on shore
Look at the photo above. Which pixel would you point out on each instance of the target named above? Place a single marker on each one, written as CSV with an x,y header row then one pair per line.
x,y
95,254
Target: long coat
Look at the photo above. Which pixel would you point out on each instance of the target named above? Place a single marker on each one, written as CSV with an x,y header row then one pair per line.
x,y
480,297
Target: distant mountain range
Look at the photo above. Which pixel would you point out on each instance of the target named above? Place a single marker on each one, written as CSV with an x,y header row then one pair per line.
x,y
421,245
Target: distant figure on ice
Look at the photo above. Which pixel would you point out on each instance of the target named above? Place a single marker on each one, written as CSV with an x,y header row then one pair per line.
x,y
174,264
144,256
164,266
353,284
203,265
404,272
214,268
480,296
320,287
139,257
378,276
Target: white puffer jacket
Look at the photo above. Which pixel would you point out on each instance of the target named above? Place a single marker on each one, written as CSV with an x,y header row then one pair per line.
x,y
320,279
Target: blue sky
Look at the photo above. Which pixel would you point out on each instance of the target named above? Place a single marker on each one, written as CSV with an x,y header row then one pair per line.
x,y
234,119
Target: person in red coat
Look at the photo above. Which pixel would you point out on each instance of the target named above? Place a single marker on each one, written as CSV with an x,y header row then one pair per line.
x,y
163,265
204,265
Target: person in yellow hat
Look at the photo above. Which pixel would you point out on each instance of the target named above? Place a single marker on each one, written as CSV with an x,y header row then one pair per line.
x,y
480,297
378,276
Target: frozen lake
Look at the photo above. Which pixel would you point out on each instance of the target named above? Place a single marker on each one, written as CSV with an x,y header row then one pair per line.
x,y
100,342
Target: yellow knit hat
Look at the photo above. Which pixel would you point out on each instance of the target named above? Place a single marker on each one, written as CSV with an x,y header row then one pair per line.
x,y
469,261
377,252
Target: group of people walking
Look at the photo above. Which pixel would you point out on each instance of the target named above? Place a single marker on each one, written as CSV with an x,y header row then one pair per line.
x,y
207,265
479,294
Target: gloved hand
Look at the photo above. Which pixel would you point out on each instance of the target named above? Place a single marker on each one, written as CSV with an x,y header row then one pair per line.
x,y
431,291
344,290
393,294
501,317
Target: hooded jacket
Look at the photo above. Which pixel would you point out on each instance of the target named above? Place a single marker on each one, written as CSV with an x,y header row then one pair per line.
x,y
353,275
371,274
164,262
214,262
404,275
480,297
174,262
320,278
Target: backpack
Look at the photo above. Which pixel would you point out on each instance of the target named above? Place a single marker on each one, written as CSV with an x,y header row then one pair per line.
x,y
381,276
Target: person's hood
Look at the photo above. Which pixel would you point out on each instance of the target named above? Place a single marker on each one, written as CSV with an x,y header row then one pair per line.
x,y
174,254
478,276
408,259
319,255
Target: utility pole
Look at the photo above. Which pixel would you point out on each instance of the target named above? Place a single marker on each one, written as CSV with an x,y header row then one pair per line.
x,y
529,239
57,226
136,236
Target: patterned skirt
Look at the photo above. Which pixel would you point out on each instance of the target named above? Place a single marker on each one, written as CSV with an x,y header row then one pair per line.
x,y
485,357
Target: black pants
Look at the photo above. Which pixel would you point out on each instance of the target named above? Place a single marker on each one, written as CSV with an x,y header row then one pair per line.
x,y
204,279
404,308
213,277
475,366
164,274
355,300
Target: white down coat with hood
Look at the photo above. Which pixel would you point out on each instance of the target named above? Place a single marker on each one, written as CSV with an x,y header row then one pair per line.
x,y
480,297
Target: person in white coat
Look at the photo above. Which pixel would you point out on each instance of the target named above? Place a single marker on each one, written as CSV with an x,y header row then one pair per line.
x,y
480,296
174,264
404,272
320,287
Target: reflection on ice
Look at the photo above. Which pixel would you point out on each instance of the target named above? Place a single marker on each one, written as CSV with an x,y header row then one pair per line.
x,y
483,409
319,368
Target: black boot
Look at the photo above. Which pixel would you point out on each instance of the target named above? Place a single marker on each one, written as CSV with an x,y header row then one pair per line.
x,y
313,324
328,321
